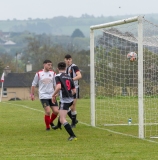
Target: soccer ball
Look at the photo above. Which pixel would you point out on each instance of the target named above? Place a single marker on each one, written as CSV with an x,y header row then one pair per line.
x,y
132,56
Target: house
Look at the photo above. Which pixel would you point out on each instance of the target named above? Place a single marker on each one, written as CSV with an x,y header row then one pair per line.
x,y
17,86
9,43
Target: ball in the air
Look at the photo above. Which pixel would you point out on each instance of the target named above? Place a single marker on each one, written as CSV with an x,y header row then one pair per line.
x,y
132,56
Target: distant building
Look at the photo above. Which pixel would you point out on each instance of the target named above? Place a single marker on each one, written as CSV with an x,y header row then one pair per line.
x,y
4,35
17,86
9,43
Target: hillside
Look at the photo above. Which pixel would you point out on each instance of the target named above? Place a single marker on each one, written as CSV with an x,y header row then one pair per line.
x,y
63,25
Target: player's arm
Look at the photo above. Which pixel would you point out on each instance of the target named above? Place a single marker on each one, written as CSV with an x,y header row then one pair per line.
x,y
78,76
54,82
34,83
32,93
57,89
78,73
73,91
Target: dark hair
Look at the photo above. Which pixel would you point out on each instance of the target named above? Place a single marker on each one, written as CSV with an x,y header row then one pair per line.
x,y
61,65
68,56
47,61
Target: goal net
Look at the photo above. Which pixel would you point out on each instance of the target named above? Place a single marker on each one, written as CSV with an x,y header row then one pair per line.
x,y
124,93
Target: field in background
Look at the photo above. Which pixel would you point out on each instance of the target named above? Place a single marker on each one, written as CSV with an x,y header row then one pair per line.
x,y
23,136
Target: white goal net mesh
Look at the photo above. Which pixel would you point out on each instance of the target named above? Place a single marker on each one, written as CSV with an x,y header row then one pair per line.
x,y
116,78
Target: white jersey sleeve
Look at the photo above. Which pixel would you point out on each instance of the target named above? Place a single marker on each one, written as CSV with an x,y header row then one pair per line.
x,y
35,80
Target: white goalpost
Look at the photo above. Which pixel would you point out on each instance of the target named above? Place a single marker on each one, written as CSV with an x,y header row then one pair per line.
x,y
122,90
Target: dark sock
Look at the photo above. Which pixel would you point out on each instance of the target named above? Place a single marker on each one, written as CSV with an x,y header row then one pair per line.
x,y
69,114
59,124
69,129
74,119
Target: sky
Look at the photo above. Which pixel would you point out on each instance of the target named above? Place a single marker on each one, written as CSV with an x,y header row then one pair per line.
x,y
24,9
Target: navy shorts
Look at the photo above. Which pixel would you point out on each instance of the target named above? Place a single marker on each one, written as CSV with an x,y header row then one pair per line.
x,y
48,102
65,106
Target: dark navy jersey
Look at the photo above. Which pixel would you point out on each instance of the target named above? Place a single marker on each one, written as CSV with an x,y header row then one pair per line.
x,y
71,71
67,85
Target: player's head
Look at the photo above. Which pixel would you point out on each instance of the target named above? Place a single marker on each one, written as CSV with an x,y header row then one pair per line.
x,y
68,59
47,65
62,66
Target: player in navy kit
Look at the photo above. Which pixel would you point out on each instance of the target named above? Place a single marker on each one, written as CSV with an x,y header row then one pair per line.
x,y
74,72
66,88
46,82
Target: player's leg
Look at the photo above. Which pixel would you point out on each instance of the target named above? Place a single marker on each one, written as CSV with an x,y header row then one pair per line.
x,y
72,113
55,111
73,109
58,123
47,110
69,113
62,113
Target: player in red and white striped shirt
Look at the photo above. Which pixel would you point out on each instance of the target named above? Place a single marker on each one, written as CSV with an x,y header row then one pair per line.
x,y
45,79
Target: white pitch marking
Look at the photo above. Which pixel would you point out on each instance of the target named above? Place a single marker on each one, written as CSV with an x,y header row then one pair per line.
x,y
111,131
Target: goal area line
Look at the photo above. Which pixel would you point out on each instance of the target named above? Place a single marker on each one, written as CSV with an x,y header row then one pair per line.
x,y
111,131
132,124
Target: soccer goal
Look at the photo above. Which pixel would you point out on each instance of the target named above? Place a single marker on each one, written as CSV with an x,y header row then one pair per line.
x,y
125,92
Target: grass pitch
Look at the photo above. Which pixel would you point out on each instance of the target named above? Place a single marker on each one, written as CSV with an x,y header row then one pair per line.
x,y
23,137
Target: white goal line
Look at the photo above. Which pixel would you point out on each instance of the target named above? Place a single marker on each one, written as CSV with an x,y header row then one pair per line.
x,y
119,133
25,107
132,124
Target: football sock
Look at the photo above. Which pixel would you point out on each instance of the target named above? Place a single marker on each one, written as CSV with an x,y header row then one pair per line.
x,y
59,124
53,116
69,129
69,114
74,115
47,120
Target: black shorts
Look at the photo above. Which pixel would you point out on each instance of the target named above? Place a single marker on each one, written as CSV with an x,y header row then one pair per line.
x,y
65,106
76,95
48,102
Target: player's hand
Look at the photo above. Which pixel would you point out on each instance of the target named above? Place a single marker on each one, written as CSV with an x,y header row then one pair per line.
x,y
54,99
32,97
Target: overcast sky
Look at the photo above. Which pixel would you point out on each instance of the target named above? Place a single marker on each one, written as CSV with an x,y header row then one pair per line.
x,y
24,9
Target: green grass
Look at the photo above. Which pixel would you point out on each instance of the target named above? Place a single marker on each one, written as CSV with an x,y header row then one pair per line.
x,y
23,137
117,111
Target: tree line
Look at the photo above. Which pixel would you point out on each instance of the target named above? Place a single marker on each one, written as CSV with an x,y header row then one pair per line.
x,y
41,47
63,25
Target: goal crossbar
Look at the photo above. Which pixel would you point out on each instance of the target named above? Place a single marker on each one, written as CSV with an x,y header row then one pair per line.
x,y
115,23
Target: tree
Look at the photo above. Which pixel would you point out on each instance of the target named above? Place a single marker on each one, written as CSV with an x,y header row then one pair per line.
x,y
40,48
1,67
77,33
7,60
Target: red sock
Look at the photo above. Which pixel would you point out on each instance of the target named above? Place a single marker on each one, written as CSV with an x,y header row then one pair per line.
x,y
53,116
47,120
